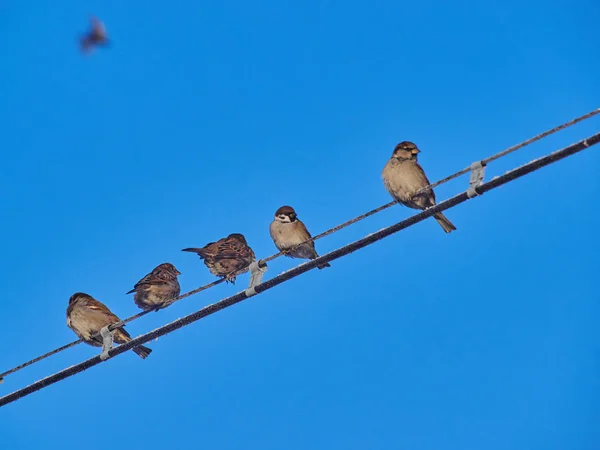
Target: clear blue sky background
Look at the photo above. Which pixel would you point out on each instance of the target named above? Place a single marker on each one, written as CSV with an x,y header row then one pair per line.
x,y
205,117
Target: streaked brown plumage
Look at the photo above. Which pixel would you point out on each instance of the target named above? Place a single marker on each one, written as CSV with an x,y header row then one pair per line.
x,y
86,316
226,256
96,36
403,176
158,289
287,231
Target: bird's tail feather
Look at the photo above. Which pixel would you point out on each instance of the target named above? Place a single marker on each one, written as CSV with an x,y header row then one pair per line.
x,y
444,222
121,336
142,351
200,251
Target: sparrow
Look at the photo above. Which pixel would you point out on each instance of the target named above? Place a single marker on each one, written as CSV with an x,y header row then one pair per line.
x,y
86,316
403,176
96,36
158,289
226,256
287,231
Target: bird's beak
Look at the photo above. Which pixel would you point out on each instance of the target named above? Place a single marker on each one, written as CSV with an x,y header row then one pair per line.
x,y
414,151
178,272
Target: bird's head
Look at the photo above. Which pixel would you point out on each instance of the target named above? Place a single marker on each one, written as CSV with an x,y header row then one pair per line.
x,y
238,237
79,297
167,269
285,214
406,150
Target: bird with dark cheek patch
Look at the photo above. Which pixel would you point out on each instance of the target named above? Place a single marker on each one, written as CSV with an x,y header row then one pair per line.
x,y
86,316
226,256
287,232
158,289
403,177
95,37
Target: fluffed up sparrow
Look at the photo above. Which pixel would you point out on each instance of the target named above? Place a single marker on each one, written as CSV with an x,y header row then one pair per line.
x,y
403,176
86,316
226,256
288,231
158,289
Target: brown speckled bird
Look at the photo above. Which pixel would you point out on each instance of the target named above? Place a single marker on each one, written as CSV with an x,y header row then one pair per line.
x,y
158,289
226,256
95,37
287,231
86,316
403,176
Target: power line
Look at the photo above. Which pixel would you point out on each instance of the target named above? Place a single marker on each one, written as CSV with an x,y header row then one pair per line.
x,y
514,148
263,262
305,267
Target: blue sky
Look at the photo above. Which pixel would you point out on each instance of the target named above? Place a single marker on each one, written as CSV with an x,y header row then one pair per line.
x,y
205,117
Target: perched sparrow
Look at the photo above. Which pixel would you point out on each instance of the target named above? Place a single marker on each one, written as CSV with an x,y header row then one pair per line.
x,y
403,176
95,37
226,256
86,316
287,231
158,289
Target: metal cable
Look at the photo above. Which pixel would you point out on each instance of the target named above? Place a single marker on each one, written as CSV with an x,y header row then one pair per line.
x,y
262,262
305,267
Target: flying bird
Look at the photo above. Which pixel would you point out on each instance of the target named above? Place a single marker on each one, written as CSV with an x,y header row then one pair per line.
x,y
403,176
95,37
158,289
288,231
86,316
226,256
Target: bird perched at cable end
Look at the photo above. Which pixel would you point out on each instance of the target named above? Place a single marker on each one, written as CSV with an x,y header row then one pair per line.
x,y
95,37
158,289
226,257
403,177
287,231
86,316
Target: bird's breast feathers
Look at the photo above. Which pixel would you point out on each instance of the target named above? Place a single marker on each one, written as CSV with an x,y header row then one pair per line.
x,y
403,178
289,234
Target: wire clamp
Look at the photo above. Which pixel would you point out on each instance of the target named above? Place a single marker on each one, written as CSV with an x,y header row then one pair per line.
x,y
107,342
476,178
256,276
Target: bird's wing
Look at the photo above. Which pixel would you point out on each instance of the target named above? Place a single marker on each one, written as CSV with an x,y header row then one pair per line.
x,y
97,26
101,308
152,279
430,193
303,230
232,248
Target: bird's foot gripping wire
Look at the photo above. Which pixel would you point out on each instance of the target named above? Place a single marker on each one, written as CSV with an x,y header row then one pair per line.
x,y
476,178
256,275
107,342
